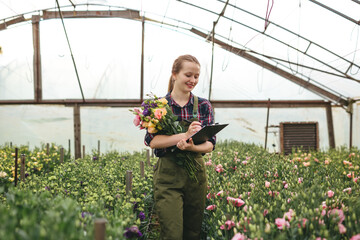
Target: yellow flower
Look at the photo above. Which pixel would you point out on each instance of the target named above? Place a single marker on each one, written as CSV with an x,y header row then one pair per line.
x,y
152,130
163,101
145,124
11,179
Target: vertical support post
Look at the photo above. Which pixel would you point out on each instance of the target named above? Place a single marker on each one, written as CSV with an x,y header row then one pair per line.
x,y
83,151
142,172
100,228
69,148
152,153
77,131
148,157
61,155
10,144
330,125
22,168
37,58
98,149
128,182
16,165
142,60
47,149
212,58
351,127
267,123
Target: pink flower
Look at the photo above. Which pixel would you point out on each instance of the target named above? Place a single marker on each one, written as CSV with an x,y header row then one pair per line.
x,y
327,162
244,162
330,193
304,221
323,212
137,110
265,212
300,180
342,228
220,193
209,163
306,164
236,201
211,207
219,168
288,215
239,236
267,184
281,223
286,186
337,213
349,175
355,237
137,120
159,112
347,190
228,225
356,179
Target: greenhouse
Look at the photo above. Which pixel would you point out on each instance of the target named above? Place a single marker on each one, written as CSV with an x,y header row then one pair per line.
x,y
284,75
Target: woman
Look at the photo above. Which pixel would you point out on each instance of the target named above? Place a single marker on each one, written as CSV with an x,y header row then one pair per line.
x,y
179,200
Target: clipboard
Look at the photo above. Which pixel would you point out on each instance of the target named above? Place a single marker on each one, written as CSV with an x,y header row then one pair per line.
x,y
205,133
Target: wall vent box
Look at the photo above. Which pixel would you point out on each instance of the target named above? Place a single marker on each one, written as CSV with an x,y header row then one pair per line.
x,y
302,135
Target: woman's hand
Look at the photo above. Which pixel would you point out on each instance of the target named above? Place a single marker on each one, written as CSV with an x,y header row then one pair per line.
x,y
193,128
186,146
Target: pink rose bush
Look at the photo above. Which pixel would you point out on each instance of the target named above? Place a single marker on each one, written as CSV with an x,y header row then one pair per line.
x,y
303,196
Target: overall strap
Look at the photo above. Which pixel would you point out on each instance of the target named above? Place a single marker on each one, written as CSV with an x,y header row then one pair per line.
x,y
195,107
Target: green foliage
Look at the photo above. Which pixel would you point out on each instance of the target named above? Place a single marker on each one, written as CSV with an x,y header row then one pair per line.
x,y
39,216
63,201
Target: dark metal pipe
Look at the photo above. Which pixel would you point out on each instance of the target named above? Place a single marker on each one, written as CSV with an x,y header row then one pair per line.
x,y
267,122
351,124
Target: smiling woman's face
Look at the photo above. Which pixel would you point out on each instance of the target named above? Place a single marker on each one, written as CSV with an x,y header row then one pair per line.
x,y
187,78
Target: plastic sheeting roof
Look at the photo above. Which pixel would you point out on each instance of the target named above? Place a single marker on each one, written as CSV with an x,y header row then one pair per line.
x,y
317,41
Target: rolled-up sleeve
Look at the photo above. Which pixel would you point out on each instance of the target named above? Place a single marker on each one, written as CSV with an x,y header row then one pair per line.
x,y
148,138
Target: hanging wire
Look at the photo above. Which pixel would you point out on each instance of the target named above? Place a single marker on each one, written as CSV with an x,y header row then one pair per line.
x,y
229,44
268,14
29,79
156,77
227,55
72,56
260,86
356,45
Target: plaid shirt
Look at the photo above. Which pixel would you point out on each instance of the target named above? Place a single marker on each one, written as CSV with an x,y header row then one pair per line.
x,y
205,116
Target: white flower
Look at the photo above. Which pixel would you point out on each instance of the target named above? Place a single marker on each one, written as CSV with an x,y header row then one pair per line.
x,y
3,174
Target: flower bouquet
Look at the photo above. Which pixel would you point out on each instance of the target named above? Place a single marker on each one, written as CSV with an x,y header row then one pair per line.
x,y
156,116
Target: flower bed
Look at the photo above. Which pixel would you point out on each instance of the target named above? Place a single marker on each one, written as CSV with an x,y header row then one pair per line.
x,y
252,194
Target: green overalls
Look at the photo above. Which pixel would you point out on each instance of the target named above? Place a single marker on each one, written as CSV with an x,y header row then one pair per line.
x,y
179,201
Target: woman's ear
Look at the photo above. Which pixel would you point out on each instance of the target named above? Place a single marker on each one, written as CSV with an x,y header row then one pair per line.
x,y
173,77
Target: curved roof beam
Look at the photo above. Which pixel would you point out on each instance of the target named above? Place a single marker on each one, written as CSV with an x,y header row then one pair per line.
x,y
134,15
337,12
284,43
318,90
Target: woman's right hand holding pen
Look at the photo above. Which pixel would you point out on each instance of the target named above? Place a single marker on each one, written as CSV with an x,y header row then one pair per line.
x,y
194,127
